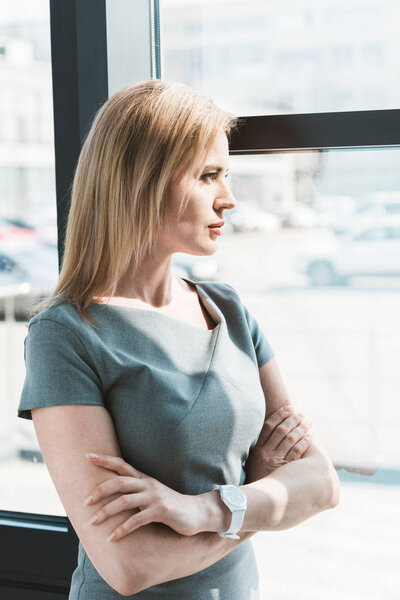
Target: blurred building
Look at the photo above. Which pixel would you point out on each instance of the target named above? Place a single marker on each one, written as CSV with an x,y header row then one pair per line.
x,y
309,56
27,174
251,58
261,57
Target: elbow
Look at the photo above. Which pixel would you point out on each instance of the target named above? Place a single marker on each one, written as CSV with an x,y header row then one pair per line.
x,y
126,582
130,586
128,591
334,489
127,588
126,571
124,589
328,484
122,585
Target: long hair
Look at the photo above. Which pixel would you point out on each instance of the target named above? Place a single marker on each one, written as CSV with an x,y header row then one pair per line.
x,y
141,138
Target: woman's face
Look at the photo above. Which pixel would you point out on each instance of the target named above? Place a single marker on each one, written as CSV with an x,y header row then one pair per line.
x,y
209,198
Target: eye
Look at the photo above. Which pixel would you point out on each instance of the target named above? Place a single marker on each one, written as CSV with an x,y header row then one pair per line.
x,y
209,176
212,176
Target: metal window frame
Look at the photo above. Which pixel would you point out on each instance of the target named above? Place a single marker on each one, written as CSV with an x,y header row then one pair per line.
x,y
96,45
316,131
39,551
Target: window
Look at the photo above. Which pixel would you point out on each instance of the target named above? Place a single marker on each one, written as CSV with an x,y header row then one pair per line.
x,y
28,238
330,312
291,57
37,542
312,248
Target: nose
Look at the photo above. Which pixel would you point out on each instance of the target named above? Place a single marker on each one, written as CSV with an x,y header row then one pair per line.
x,y
225,197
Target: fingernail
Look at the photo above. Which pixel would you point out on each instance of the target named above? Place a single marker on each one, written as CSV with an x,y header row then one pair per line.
x,y
308,437
111,537
301,415
87,500
92,455
93,520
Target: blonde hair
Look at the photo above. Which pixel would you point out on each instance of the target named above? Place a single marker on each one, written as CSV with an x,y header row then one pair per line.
x,y
141,138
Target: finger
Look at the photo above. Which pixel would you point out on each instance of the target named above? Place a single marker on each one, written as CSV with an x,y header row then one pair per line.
x,y
120,504
282,430
115,485
272,421
293,437
298,450
115,463
134,522
273,460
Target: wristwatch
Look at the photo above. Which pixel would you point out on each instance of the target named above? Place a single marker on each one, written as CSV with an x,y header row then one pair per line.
x,y
236,501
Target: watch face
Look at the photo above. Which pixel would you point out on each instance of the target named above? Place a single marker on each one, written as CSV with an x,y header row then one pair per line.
x,y
235,496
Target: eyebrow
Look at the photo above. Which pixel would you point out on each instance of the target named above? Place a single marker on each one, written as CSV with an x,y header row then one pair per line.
x,y
215,167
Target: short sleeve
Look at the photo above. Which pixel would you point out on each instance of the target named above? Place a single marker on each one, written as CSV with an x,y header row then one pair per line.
x,y
58,369
264,351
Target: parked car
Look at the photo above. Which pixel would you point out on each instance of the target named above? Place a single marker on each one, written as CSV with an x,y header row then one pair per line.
x,y
334,212
371,249
33,268
376,205
16,230
300,217
381,203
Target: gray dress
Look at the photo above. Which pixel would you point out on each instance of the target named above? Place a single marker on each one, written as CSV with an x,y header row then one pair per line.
x,y
186,402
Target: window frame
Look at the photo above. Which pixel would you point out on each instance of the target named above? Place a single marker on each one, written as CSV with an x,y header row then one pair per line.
x,y
82,69
39,552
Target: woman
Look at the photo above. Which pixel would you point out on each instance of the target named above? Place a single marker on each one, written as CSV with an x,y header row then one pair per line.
x,y
149,392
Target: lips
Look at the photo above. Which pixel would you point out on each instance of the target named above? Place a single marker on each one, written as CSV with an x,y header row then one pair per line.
x,y
219,224
216,230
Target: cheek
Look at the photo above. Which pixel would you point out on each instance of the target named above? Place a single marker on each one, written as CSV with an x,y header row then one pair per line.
x,y
197,211
193,217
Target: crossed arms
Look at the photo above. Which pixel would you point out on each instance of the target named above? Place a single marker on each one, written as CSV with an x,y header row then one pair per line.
x,y
285,497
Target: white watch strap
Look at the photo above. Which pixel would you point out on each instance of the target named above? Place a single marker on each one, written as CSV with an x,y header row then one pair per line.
x,y
236,524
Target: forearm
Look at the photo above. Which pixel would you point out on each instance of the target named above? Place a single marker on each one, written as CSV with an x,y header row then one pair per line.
x,y
165,555
291,494
284,498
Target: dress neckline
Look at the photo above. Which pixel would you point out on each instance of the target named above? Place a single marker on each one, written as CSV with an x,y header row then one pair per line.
x,y
210,306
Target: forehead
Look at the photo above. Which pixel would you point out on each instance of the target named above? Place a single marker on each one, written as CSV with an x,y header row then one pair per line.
x,y
217,158
219,153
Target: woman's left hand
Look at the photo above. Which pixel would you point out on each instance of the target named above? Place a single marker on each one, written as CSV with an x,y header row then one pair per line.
x,y
156,501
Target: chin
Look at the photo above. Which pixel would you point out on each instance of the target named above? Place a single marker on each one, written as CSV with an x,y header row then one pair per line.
x,y
197,252
200,249
208,249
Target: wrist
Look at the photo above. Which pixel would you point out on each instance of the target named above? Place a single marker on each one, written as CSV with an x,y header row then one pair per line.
x,y
215,515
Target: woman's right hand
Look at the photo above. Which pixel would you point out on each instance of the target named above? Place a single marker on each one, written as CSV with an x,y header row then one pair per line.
x,y
284,437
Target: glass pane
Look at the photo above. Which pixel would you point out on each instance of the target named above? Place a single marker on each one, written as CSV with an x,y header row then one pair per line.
x,y
283,57
312,248
28,237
